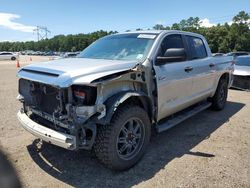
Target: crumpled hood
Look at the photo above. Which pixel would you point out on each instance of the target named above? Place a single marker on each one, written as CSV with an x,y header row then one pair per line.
x,y
65,72
242,70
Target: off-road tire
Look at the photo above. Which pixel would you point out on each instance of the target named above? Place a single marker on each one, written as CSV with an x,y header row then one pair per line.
x,y
220,97
105,147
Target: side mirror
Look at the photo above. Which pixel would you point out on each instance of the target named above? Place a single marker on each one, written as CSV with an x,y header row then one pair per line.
x,y
171,55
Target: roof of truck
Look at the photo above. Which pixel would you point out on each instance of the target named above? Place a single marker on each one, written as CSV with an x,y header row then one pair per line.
x,y
157,32
146,31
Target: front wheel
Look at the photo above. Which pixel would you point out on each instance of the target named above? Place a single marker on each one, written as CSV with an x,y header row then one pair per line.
x,y
13,58
220,97
121,144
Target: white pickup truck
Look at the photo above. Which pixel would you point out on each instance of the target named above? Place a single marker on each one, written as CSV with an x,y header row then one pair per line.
x,y
110,96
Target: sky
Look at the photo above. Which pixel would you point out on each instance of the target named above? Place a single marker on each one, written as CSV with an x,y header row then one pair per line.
x,y
19,18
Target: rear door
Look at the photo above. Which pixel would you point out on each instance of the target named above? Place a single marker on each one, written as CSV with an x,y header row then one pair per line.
x,y
204,69
174,84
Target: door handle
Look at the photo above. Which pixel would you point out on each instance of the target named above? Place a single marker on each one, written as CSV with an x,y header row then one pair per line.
x,y
211,65
188,69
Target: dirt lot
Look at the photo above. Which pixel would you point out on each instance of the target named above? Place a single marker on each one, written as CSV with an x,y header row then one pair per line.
x,y
211,149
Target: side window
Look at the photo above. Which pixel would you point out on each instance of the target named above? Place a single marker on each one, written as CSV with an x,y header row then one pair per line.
x,y
196,47
171,41
5,53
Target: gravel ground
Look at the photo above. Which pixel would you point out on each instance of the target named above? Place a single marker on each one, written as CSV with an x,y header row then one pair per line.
x,y
210,149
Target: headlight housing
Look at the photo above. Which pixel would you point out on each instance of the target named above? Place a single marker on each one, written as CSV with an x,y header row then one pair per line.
x,y
84,95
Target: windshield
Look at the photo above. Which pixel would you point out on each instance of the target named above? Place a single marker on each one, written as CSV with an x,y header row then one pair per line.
x,y
243,61
120,47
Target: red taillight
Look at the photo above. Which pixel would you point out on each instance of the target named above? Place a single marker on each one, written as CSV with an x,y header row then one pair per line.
x,y
80,94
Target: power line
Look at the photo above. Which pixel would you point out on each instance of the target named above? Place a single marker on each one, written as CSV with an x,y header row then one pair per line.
x,y
42,32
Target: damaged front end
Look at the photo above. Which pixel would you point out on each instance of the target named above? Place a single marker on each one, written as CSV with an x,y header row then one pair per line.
x,y
66,108
63,113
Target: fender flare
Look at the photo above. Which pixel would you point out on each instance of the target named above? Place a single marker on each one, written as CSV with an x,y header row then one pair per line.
x,y
116,100
229,78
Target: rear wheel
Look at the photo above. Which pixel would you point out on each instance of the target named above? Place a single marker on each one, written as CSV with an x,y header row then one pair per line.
x,y
121,144
220,97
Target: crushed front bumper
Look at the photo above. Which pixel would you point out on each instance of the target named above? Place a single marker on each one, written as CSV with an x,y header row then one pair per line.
x,y
60,139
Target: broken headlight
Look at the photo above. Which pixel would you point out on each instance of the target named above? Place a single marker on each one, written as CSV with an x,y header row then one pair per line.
x,y
84,95
80,96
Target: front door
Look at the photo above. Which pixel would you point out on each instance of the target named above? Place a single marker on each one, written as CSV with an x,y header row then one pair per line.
x,y
174,80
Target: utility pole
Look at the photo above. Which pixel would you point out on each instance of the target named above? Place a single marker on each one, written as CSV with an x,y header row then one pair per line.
x,y
42,32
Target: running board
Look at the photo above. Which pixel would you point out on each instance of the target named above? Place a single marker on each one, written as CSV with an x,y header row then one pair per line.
x,y
169,123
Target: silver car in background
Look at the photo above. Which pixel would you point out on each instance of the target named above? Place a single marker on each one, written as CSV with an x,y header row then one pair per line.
x,y
8,56
242,73
238,53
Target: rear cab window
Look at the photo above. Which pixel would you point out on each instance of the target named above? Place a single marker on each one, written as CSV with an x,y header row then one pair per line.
x,y
196,47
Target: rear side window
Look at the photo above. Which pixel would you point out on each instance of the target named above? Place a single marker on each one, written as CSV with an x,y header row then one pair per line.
x,y
196,48
5,53
171,41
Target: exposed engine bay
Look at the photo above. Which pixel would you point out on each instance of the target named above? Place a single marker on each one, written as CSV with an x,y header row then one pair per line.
x,y
65,110
78,109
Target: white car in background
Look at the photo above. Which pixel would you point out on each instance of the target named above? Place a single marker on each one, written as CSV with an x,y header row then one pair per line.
x,y
8,56
241,73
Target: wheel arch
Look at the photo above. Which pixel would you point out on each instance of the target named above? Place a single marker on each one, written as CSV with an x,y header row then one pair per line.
x,y
226,76
123,98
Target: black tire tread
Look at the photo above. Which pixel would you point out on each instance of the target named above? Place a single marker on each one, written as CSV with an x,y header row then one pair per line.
x,y
101,146
215,105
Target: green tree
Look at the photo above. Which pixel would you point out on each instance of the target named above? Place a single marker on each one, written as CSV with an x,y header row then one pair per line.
x,y
242,17
159,27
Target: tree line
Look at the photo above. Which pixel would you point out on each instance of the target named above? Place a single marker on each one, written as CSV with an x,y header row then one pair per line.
x,y
221,38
